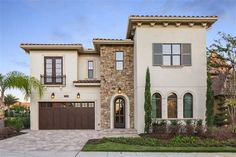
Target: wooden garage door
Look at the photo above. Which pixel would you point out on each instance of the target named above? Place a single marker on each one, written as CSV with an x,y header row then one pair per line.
x,y
66,115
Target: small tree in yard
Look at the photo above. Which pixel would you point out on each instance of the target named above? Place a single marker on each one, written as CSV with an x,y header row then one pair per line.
x,y
18,80
209,103
231,106
222,115
226,47
147,103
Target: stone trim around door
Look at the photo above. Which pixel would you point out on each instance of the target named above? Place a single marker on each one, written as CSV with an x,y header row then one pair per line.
x,y
127,110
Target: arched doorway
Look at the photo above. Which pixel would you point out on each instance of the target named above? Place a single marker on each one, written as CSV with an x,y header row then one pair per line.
x,y
119,112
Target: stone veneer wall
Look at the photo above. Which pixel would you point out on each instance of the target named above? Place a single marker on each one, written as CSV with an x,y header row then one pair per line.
x,y
111,80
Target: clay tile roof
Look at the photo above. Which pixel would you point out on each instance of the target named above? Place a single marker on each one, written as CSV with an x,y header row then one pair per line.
x,y
49,44
108,39
168,16
87,81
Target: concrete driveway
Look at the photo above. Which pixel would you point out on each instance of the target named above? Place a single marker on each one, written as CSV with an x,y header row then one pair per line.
x,y
49,143
40,143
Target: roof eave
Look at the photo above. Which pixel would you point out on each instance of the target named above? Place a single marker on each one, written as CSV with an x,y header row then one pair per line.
x,y
209,20
28,47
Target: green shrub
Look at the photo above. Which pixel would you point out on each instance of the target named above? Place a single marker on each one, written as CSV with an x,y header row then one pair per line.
x,y
163,122
15,122
189,127
199,122
189,122
26,122
184,140
199,127
234,130
173,122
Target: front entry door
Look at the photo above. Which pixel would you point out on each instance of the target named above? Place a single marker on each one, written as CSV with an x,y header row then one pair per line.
x,y
119,113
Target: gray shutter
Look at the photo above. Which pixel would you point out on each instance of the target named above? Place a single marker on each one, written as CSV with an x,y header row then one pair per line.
x,y
157,54
186,54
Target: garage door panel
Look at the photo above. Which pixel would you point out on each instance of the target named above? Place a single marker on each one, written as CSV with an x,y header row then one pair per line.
x,y
69,115
64,118
71,118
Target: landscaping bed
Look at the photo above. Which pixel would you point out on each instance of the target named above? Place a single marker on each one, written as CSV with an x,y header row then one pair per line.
x,y
172,136
8,132
146,144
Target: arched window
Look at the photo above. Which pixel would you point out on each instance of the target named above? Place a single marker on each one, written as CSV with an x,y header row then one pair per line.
x,y
156,105
172,105
188,105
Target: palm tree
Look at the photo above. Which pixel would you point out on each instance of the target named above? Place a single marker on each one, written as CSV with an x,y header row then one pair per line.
x,y
10,100
20,81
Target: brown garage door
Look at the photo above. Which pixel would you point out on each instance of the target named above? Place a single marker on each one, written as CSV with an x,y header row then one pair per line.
x,y
66,115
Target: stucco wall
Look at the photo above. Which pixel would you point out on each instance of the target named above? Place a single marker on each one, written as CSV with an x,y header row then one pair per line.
x,y
83,66
70,69
170,79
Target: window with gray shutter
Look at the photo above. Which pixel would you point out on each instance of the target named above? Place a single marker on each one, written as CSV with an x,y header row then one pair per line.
x,y
186,54
157,54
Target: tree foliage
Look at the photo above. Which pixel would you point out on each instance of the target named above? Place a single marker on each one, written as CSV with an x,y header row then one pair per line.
x,y
221,117
147,103
209,103
10,100
225,46
20,81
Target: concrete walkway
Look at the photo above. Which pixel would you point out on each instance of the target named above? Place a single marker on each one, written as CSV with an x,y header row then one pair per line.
x,y
134,154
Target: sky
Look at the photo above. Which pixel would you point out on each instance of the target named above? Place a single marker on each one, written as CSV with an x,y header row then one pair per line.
x,y
79,21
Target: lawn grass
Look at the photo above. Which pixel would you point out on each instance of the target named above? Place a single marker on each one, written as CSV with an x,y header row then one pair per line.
x,y
146,144
119,147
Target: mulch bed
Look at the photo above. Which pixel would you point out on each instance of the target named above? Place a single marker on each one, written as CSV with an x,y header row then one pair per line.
x,y
9,132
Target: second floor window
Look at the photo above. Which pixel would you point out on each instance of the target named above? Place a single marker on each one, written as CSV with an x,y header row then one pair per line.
x,y
53,70
119,60
90,69
172,54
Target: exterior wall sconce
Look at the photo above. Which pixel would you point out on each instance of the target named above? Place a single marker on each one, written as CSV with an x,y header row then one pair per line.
x,y
119,90
53,95
78,95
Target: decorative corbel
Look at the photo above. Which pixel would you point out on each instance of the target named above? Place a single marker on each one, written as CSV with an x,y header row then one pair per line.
x,y
177,24
152,24
191,24
204,25
139,24
165,24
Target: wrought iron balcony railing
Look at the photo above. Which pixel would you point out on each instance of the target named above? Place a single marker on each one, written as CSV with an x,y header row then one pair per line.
x,y
53,80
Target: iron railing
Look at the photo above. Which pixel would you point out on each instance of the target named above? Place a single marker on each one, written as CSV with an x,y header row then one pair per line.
x,y
53,80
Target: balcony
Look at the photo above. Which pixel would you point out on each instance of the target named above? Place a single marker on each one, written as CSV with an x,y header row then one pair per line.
x,y
87,83
53,80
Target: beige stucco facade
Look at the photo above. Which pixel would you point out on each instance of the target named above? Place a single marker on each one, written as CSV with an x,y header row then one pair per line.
x,y
70,70
167,79
142,33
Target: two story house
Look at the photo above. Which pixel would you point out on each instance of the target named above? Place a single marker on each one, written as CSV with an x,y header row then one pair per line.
x,y
103,87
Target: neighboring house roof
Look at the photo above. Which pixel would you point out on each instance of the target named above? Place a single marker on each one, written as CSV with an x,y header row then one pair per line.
x,y
26,104
219,72
152,20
